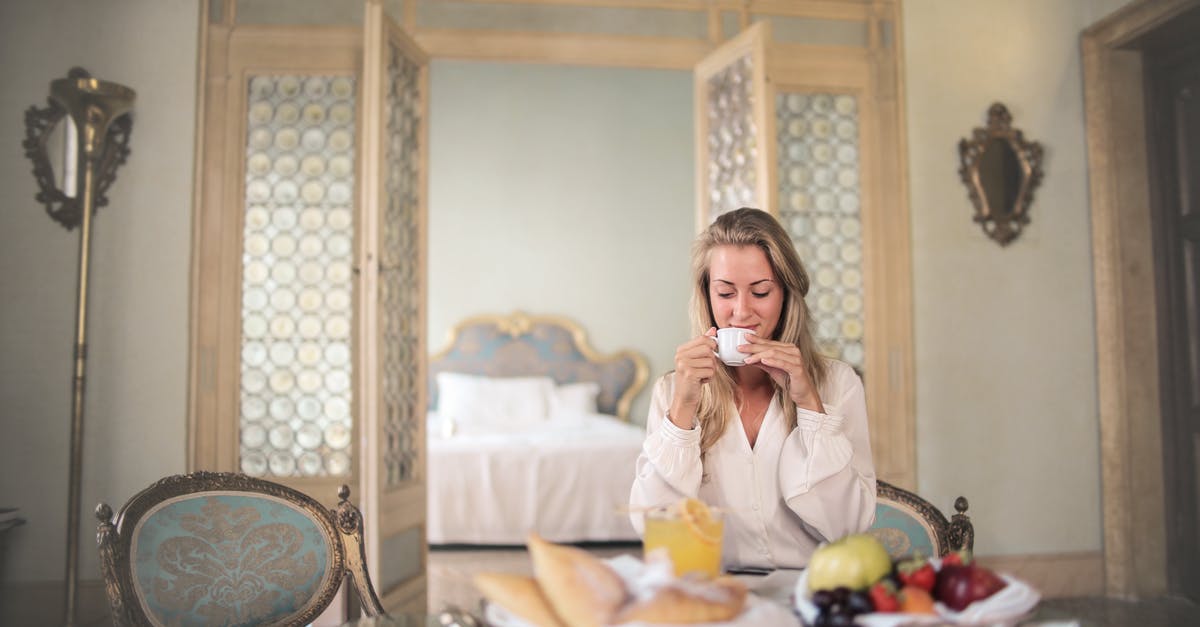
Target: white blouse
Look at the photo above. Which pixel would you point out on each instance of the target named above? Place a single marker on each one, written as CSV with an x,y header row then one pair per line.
x,y
782,498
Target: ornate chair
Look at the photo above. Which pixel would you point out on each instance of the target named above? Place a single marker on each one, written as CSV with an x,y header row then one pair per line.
x,y
226,549
908,524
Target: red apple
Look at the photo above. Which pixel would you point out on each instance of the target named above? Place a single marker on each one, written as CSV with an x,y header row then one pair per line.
x,y
959,586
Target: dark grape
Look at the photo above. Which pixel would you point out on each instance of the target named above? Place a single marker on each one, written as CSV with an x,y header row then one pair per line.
x,y
859,603
822,620
822,599
840,620
841,594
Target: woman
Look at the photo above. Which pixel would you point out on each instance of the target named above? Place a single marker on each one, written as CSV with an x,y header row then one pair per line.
x,y
780,444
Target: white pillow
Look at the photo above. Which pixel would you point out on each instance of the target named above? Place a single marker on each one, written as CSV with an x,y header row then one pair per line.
x,y
478,404
575,398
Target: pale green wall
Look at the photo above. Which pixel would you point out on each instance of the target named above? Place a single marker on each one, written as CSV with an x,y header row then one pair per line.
x,y
137,369
1004,338
564,191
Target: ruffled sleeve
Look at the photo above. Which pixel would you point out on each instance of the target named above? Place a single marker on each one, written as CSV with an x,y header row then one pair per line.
x,y
669,467
826,475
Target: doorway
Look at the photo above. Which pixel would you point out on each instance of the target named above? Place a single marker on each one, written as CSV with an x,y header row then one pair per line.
x,y
1171,62
1137,445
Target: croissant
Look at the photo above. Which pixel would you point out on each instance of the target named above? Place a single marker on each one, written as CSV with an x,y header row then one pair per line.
x,y
520,595
583,590
688,602
572,588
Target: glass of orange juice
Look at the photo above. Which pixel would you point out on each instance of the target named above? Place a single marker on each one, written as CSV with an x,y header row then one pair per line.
x,y
690,532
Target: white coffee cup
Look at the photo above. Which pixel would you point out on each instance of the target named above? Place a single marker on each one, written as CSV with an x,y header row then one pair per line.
x,y
728,340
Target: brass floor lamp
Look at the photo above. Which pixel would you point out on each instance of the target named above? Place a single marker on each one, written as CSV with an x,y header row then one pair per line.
x,y
95,143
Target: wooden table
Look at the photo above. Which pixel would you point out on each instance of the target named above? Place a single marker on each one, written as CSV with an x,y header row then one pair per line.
x,y
777,586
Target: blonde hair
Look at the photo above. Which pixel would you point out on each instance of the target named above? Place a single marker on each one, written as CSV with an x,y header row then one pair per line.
x,y
751,227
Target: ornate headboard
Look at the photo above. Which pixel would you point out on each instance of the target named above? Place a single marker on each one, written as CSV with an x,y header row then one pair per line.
x,y
520,345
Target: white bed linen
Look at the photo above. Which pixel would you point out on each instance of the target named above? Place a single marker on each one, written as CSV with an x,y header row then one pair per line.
x,y
568,478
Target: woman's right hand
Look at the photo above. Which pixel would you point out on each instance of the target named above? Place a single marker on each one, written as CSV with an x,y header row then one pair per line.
x,y
695,364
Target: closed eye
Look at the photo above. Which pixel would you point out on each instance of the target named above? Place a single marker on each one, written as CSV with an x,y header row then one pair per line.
x,y
762,295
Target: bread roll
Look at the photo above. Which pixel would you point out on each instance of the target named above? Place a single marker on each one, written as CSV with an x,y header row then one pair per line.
x,y
688,602
583,590
520,595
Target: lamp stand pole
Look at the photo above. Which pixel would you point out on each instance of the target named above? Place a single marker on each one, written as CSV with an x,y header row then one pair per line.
x,y
93,105
79,377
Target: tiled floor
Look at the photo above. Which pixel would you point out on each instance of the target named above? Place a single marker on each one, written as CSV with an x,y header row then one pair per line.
x,y
451,570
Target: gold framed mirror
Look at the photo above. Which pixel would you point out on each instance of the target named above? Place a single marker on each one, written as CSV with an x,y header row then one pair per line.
x,y
1000,170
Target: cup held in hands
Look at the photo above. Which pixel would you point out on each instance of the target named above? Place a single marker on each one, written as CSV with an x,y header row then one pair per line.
x,y
728,340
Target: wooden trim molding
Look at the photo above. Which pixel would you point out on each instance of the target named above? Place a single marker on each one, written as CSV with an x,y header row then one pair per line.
x,y
889,260
1055,575
567,48
1135,563
817,9
618,50
200,360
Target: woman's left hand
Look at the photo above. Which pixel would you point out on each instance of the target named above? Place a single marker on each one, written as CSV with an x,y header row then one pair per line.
x,y
785,365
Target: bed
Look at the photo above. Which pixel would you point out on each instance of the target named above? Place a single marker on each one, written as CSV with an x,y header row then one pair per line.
x,y
529,431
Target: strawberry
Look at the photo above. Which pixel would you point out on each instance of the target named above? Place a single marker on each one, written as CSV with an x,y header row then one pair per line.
x,y
917,572
961,557
883,596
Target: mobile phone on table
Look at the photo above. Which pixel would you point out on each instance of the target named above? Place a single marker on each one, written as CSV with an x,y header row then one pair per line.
x,y
749,570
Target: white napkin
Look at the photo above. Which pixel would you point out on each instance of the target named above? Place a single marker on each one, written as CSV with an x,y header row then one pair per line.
x,y
1006,606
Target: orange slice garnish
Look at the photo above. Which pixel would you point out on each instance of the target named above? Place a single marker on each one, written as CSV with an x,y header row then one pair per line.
x,y
699,520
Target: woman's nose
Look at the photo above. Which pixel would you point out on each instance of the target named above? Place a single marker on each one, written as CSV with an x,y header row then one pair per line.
x,y
741,304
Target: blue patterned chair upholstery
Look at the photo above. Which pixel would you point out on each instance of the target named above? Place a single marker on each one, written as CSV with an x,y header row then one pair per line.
x,y
908,524
227,549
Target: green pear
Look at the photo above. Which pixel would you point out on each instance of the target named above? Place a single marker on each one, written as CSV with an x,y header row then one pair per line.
x,y
855,561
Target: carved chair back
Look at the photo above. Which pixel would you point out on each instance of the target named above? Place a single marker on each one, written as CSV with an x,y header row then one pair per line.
x,y
908,524
227,549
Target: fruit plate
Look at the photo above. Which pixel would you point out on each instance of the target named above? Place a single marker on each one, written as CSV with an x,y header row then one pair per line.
x,y
1012,603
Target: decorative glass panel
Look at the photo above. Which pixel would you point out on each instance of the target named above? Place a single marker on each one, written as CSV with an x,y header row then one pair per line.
x,y
819,206
297,290
399,277
731,174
